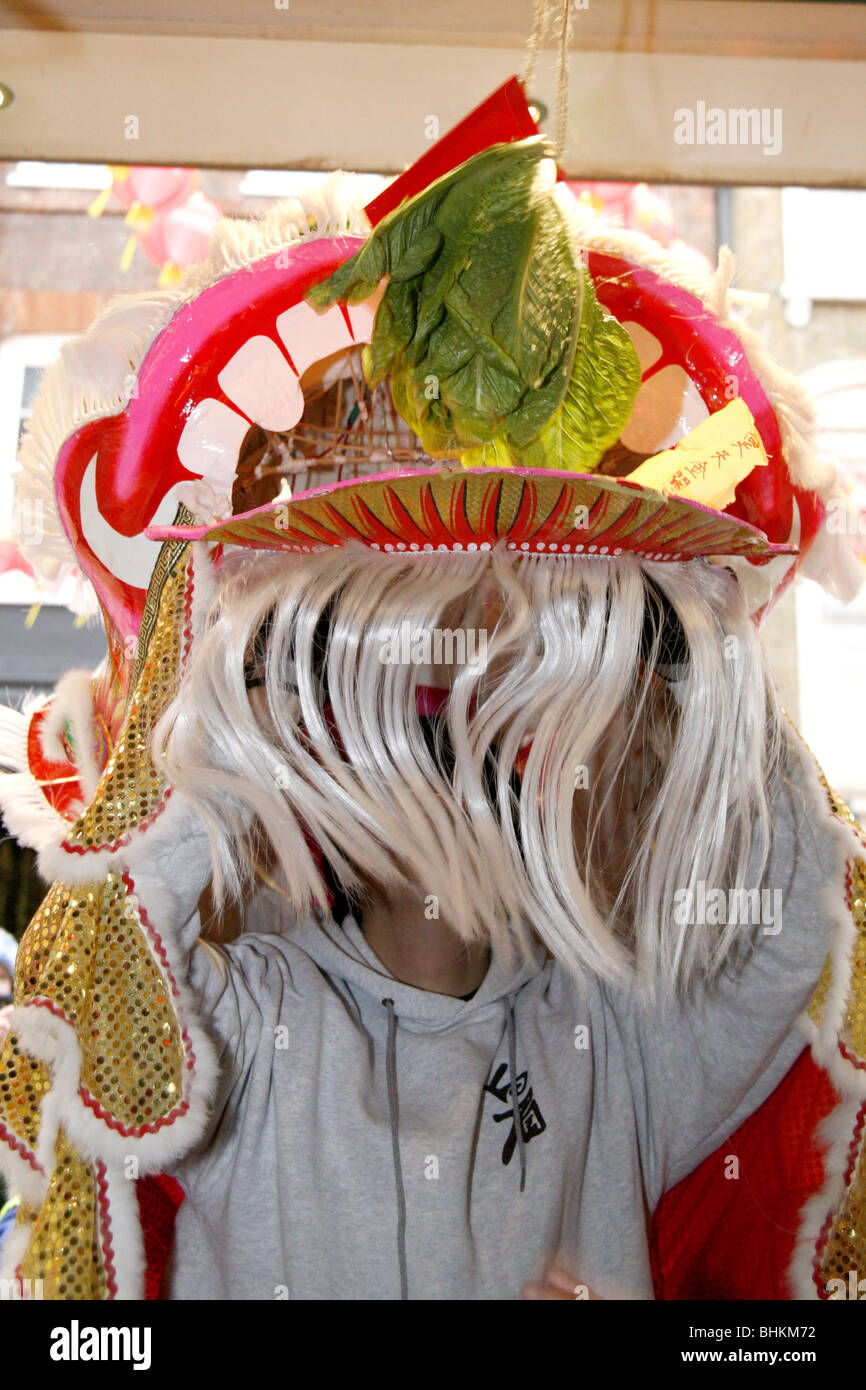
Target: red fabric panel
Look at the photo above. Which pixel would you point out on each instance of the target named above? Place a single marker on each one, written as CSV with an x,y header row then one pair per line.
x,y
714,1237
159,1198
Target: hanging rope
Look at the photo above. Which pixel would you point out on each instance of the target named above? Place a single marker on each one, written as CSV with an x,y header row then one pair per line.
x,y
544,20
562,85
539,28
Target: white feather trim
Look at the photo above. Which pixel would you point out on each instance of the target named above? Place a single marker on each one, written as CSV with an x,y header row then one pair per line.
x,y
14,726
30,818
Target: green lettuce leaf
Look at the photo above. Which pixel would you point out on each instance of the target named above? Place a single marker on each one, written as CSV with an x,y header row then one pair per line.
x,y
604,381
488,326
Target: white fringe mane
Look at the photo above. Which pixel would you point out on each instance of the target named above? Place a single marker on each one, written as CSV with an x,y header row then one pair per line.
x,y
685,780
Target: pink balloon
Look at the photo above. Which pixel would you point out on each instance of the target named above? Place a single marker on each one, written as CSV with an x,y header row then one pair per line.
x,y
640,207
183,234
155,186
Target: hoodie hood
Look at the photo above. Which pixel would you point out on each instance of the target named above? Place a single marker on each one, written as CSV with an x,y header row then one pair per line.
x,y
343,953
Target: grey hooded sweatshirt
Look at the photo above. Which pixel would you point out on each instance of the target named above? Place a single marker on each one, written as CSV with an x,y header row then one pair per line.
x,y
371,1140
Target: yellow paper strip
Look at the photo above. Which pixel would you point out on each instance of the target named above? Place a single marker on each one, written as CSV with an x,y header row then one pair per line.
x,y
97,207
128,252
706,465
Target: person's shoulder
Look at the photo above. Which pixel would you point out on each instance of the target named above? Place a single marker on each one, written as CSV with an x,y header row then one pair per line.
x,y
568,992
267,956
807,811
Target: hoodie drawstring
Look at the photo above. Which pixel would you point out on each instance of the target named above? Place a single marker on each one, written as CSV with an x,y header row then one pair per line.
x,y
394,1113
512,1076
391,1073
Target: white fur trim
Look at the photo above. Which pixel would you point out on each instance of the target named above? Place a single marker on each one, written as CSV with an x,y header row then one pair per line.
x,y
96,373
72,703
835,1136
123,1231
15,1248
127,1245
850,1081
167,865
54,862
21,1177
162,900
831,560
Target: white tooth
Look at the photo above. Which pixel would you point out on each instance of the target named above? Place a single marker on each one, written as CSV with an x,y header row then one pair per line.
x,y
260,381
667,406
361,317
129,558
646,344
211,441
309,336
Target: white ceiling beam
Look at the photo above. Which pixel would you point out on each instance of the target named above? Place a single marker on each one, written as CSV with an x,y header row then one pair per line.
x,y
255,103
786,28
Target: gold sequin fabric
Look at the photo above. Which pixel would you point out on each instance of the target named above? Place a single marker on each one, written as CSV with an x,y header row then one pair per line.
x,y
131,791
854,1031
90,960
841,1247
86,953
844,1248
85,957
133,1064
23,1084
70,1237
